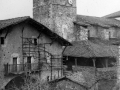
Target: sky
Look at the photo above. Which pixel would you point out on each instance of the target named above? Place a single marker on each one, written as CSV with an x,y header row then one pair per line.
x,y
19,8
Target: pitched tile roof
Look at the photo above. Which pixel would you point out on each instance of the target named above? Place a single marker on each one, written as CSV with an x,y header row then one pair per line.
x,y
70,80
89,49
81,23
111,41
46,31
103,22
113,15
80,78
12,21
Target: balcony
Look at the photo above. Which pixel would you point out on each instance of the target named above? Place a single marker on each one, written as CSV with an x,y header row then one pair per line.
x,y
20,68
24,68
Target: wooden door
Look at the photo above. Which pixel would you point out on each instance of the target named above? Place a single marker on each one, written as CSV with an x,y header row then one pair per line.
x,y
14,64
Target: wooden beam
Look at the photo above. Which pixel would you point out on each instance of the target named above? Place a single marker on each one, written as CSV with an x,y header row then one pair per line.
x,y
76,62
106,61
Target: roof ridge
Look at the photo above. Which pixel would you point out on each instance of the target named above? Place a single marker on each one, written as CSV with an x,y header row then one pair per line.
x,y
112,15
15,18
99,21
13,21
88,16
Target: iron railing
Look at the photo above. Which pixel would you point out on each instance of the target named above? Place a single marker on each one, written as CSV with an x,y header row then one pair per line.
x,y
22,68
19,68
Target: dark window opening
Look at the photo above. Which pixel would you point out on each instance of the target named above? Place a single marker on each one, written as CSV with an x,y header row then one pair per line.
x,y
2,40
29,62
109,35
85,27
15,64
35,41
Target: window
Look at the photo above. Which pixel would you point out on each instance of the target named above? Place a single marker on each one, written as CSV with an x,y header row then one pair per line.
x,y
106,34
48,57
2,40
14,63
111,33
35,41
14,60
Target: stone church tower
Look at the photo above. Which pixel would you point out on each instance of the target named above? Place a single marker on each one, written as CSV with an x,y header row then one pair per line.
x,y
57,15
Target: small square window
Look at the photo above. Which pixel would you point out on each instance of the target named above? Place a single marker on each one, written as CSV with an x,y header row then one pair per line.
x,y
2,40
34,41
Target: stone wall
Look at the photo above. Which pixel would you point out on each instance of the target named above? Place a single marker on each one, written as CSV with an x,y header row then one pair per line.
x,y
66,84
58,15
82,33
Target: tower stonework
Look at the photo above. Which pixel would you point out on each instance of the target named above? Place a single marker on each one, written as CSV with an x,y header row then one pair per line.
x,y
57,15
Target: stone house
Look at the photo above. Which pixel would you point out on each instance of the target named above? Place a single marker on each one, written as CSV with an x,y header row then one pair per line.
x,y
60,15
29,47
25,40
22,44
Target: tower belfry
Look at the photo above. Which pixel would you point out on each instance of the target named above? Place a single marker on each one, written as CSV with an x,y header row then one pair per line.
x,y
57,15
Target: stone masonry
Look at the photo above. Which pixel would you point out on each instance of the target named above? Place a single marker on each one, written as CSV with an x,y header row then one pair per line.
x,y
58,15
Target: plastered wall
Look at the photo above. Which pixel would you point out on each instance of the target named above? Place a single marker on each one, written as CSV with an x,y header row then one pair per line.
x,y
13,42
13,45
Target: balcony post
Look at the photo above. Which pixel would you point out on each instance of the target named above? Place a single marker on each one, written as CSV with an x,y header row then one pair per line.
x,y
51,67
76,62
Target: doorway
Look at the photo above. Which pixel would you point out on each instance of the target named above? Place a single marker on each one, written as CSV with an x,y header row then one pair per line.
x,y
29,62
14,64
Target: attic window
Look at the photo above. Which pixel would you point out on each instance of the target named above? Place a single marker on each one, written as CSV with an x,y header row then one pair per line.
x,y
2,40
